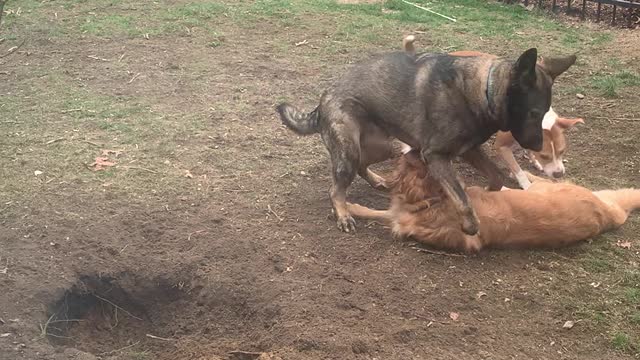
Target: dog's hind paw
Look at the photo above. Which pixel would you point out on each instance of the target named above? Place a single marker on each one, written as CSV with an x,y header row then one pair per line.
x,y
347,224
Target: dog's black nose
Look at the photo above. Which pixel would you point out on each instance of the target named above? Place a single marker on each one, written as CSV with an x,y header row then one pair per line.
x,y
558,174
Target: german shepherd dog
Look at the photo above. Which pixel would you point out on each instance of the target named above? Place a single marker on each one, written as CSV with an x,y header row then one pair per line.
x,y
444,105
547,215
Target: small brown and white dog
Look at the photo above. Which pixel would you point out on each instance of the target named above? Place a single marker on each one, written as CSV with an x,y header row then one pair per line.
x,y
547,215
548,160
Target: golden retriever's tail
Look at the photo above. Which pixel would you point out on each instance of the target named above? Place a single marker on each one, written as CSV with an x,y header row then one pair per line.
x,y
625,200
360,211
301,123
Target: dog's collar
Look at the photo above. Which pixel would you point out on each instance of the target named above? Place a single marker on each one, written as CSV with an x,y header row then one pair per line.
x,y
489,93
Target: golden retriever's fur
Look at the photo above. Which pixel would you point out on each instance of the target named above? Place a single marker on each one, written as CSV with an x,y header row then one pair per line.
x,y
546,215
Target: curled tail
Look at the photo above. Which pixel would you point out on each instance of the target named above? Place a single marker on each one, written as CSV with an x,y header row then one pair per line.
x,y
627,199
622,202
407,45
299,122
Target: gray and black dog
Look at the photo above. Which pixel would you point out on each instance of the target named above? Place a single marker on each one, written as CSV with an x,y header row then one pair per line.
x,y
444,105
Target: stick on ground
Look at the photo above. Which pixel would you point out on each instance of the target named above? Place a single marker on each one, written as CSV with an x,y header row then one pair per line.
x,y
429,10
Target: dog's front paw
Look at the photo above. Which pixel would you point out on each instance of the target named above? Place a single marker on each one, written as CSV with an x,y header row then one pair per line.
x,y
347,224
470,224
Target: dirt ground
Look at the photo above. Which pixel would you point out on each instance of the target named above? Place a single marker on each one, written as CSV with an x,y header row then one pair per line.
x,y
213,232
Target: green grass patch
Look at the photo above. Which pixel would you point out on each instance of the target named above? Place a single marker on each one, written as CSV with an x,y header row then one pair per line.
x,y
632,295
610,85
597,265
621,341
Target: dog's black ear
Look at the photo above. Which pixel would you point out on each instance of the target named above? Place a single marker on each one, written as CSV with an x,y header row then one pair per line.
x,y
556,66
525,67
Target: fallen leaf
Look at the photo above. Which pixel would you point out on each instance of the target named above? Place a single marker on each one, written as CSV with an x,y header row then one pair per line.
x,y
595,284
187,174
5,335
580,96
101,163
37,172
480,295
624,245
454,316
108,152
568,324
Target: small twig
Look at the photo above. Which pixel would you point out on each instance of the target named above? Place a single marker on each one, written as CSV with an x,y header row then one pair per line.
x,y
53,141
195,232
13,49
116,306
431,11
430,319
91,143
126,246
616,118
303,42
240,352
68,320
70,110
121,57
274,213
141,168
119,350
437,252
97,58
159,338
133,78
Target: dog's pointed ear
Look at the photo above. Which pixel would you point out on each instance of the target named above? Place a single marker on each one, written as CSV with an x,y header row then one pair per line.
x,y
565,123
556,66
525,67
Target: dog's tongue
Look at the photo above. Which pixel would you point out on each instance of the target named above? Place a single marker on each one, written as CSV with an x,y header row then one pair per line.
x,y
549,119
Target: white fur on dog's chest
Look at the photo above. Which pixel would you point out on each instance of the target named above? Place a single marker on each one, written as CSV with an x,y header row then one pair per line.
x,y
549,119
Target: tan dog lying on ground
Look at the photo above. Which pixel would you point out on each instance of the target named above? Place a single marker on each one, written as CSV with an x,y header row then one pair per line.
x,y
546,215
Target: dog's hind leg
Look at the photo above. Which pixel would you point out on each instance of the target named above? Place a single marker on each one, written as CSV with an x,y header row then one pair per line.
x,y
342,138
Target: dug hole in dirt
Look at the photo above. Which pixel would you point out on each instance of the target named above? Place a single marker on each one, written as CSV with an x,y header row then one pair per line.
x,y
104,316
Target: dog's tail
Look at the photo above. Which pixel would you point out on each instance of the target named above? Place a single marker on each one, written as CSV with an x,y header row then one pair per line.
x,y
297,121
627,199
622,202
407,44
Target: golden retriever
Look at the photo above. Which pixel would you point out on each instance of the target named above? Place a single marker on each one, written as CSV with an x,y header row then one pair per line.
x,y
546,215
